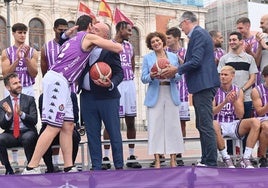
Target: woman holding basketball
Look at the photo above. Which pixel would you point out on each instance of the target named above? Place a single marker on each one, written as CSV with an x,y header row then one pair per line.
x,y
164,129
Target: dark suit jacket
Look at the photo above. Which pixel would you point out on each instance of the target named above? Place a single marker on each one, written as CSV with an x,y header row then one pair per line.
x,y
199,66
27,105
113,59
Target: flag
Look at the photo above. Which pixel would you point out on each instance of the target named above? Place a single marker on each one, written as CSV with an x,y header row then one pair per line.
x,y
105,10
119,16
84,9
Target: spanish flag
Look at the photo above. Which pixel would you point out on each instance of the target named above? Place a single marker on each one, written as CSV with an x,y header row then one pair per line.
x,y
84,9
105,10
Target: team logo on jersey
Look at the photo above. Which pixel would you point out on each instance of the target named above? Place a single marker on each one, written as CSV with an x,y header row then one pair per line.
x,y
61,107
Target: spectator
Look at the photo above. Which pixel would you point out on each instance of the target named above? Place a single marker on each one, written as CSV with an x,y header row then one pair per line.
x,y
162,101
18,118
228,110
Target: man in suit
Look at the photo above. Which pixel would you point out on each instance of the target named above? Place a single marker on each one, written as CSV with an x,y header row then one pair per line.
x,y
100,102
202,80
18,117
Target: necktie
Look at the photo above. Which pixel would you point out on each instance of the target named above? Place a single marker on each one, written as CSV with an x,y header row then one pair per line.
x,y
16,122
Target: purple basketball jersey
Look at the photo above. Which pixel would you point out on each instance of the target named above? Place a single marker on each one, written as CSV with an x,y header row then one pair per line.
x,y
72,60
52,49
227,113
125,58
263,91
21,69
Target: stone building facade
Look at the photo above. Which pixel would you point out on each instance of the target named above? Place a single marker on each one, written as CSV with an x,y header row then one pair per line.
x,y
147,16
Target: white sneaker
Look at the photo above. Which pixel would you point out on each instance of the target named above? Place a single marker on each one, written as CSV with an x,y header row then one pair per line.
x,y
36,170
200,164
73,169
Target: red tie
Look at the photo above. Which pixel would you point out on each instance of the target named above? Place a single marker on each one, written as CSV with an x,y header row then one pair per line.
x,y
16,121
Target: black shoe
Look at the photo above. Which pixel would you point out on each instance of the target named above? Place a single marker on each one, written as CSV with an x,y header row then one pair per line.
x,y
133,164
178,160
106,164
263,163
9,172
162,160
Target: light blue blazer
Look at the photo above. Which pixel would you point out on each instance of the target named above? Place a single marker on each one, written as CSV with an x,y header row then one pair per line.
x,y
153,88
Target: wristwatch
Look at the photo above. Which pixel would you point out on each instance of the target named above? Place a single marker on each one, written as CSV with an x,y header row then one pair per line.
x,y
243,89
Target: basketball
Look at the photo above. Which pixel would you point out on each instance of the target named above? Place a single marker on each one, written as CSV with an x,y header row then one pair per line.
x,y
100,70
160,65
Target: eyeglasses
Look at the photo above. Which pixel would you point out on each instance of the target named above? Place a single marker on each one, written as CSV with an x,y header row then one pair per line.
x,y
180,24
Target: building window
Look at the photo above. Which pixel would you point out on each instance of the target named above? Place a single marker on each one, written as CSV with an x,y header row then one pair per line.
x,y
3,35
134,40
36,34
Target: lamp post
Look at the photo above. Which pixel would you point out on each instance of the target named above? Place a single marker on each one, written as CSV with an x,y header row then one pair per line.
x,y
7,2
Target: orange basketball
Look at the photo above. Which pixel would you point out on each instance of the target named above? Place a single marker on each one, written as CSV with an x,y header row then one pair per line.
x,y
160,65
100,70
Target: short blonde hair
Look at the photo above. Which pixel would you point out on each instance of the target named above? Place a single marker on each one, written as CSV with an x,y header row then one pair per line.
x,y
228,68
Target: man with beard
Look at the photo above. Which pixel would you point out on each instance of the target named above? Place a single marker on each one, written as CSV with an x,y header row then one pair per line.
x,y
18,117
217,39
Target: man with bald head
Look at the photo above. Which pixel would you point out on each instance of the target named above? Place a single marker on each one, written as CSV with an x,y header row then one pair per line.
x,y
100,102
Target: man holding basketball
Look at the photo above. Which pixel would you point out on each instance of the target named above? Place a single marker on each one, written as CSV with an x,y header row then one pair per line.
x,y
100,102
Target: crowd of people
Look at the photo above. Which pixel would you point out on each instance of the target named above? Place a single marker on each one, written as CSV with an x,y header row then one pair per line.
x,y
228,87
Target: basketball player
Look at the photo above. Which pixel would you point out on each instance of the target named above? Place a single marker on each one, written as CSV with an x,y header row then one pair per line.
x,y
228,110
57,106
24,64
127,90
49,54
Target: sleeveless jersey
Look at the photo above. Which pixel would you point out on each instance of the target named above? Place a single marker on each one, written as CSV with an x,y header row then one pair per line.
x,y
52,49
263,92
182,87
72,59
21,69
125,58
227,113
218,53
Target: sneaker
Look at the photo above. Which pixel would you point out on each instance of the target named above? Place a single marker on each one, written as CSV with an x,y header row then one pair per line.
x,y
263,163
36,170
179,160
200,164
245,163
133,164
106,163
228,162
73,169
162,161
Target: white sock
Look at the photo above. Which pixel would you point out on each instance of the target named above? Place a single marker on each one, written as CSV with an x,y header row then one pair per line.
x,y
131,151
106,152
224,154
15,155
247,153
55,159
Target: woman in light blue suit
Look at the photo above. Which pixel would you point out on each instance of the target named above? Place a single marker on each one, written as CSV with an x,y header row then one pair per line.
x,y
162,100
